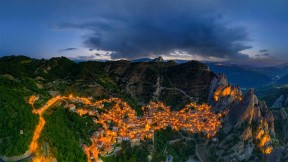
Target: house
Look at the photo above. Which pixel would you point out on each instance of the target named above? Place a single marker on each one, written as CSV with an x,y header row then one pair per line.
x,y
101,131
126,139
115,129
36,98
119,139
71,107
94,120
135,142
99,144
96,134
108,149
91,155
149,121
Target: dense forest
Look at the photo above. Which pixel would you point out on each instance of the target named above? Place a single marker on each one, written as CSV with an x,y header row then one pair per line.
x,y
180,150
128,154
15,116
64,131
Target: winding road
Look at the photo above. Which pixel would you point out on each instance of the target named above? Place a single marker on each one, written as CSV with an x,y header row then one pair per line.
x,y
34,143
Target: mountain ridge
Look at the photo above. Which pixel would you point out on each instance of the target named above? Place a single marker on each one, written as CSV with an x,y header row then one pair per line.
x,y
248,124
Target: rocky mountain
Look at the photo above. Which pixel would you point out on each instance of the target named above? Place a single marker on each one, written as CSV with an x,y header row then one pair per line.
x,y
250,131
248,125
281,121
141,81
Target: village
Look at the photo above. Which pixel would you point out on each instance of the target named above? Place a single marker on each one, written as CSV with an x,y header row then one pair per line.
x,y
121,123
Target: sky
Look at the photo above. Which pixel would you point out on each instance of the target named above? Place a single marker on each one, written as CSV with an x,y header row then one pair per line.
x,y
247,31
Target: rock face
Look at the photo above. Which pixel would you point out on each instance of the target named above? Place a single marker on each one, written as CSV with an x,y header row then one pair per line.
x,y
247,118
269,123
284,124
247,134
243,111
174,84
221,90
278,102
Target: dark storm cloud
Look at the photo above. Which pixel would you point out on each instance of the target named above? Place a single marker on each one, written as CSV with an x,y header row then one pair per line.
x,y
102,54
263,54
141,28
67,49
149,28
264,50
91,49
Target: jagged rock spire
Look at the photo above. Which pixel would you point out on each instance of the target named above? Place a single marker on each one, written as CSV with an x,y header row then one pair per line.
x,y
158,59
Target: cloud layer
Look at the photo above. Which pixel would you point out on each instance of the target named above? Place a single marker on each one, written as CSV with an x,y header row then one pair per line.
x,y
68,49
151,28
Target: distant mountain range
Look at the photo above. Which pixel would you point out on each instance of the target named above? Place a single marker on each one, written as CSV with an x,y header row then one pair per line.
x,y
248,76
243,75
149,60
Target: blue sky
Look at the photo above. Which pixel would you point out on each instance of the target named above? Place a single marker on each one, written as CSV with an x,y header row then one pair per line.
x,y
214,30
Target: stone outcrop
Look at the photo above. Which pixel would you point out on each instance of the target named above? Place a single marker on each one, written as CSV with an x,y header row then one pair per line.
x,y
221,90
269,123
243,110
247,134
247,118
219,82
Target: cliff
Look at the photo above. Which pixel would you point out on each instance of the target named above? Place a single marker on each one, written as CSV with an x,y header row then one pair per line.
x,y
248,126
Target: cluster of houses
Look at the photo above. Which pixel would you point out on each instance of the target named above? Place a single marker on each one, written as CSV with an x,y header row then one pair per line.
x,y
121,123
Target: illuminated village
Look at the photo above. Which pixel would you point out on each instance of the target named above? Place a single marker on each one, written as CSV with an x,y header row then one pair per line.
x,y
121,123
